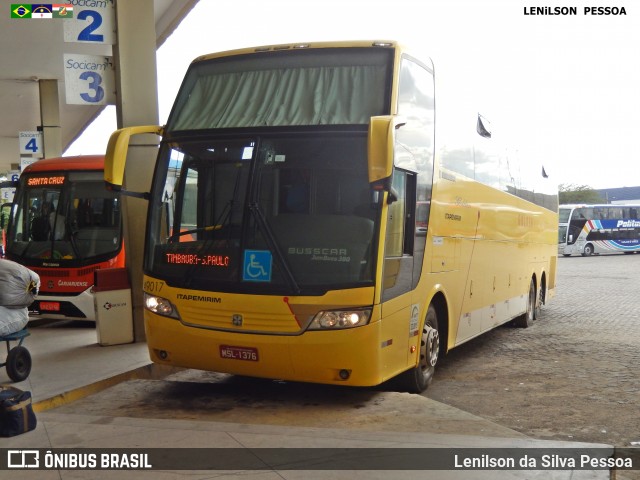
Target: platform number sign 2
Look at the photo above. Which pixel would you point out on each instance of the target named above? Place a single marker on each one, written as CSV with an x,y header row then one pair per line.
x,y
93,24
88,34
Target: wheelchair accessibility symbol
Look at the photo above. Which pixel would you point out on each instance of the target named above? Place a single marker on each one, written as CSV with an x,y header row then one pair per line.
x,y
257,266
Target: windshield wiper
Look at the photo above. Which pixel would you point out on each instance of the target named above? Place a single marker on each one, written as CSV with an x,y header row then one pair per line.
x,y
254,208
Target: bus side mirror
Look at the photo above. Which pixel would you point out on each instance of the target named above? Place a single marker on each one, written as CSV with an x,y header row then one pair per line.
x,y
380,149
116,156
570,238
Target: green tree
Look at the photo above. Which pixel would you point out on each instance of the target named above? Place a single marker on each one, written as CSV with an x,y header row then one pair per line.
x,y
569,193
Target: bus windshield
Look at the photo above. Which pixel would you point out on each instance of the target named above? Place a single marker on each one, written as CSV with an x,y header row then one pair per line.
x,y
66,216
290,213
564,214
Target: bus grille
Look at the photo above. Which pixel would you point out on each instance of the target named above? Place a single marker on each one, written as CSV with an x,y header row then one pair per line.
x,y
245,321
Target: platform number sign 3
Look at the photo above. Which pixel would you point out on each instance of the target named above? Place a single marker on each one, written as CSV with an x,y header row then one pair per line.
x,y
89,79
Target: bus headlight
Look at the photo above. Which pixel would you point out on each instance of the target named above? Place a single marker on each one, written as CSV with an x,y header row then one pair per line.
x,y
160,306
335,319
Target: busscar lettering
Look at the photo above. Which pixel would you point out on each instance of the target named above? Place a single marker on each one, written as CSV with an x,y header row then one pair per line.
x,y
316,251
318,254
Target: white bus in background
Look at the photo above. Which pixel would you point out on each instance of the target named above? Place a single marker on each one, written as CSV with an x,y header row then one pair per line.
x,y
593,229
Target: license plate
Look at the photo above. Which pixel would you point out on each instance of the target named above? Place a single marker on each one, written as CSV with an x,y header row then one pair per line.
x,y
50,306
239,353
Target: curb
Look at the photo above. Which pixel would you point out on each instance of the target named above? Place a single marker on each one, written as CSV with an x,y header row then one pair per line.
x,y
150,371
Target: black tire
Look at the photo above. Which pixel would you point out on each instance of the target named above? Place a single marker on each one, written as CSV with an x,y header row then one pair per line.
x,y
537,312
18,363
526,320
588,250
418,378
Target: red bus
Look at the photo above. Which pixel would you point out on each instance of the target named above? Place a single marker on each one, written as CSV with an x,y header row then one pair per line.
x,y
65,225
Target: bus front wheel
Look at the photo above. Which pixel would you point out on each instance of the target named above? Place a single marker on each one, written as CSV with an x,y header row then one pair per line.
x,y
417,379
588,250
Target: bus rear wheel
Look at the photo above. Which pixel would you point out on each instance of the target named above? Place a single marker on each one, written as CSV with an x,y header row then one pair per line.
x,y
526,320
417,379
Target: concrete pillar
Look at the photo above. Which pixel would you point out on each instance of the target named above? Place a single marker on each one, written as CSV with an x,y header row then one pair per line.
x,y
137,104
50,118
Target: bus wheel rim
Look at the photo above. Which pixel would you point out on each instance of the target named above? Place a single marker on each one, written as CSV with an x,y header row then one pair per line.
x,y
431,347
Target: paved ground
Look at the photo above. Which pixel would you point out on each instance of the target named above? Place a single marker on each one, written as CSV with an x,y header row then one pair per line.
x,y
574,374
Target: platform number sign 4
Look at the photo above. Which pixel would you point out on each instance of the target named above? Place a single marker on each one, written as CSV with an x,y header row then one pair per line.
x,y
32,146
30,143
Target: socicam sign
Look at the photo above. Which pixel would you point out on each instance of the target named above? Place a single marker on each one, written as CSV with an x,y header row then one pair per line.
x,y
89,79
92,22
30,143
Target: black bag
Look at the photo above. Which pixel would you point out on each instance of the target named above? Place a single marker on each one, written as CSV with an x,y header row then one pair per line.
x,y
16,412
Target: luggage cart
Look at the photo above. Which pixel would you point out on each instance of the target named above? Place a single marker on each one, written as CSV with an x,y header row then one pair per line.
x,y
18,358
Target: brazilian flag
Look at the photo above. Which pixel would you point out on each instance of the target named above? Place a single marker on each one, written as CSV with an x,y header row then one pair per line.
x,y
19,10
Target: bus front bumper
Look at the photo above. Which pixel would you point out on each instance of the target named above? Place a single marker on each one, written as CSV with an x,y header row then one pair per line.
x,y
346,357
78,307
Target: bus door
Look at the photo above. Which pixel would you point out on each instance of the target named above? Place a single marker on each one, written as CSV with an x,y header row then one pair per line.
x,y
404,309
400,319
576,225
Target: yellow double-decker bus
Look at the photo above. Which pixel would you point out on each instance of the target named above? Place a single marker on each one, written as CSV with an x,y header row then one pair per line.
x,y
320,213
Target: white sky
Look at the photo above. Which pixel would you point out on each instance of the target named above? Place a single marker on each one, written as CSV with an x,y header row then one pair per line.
x,y
565,89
